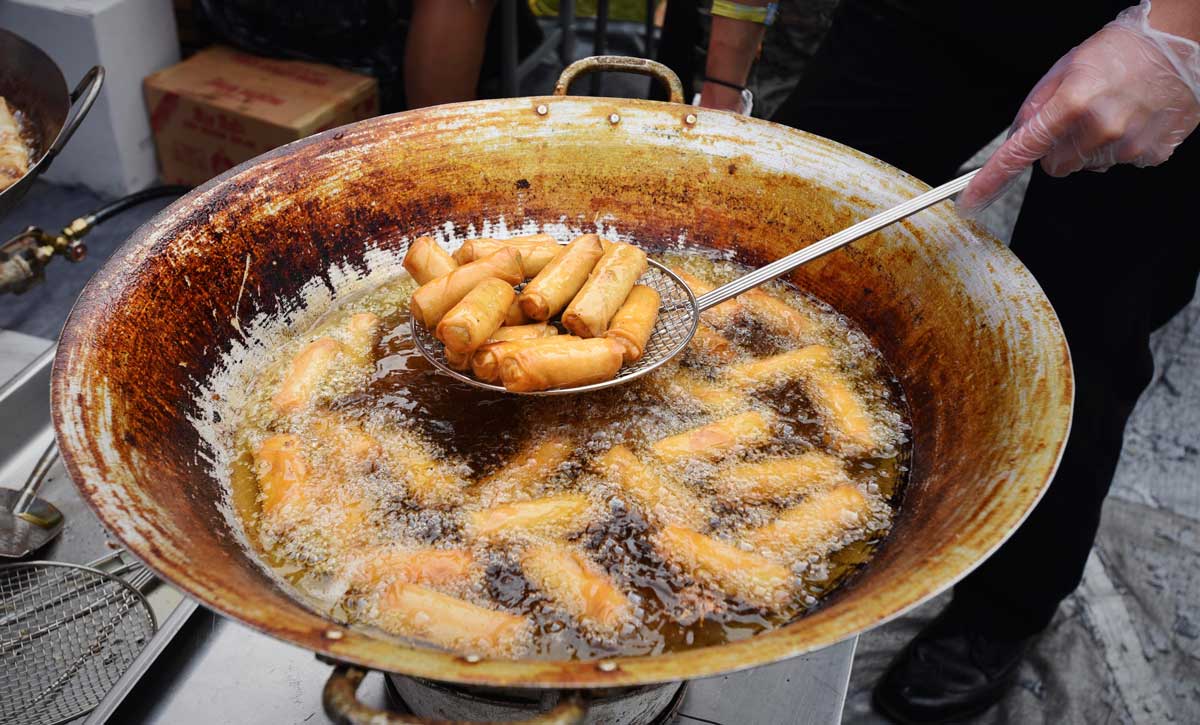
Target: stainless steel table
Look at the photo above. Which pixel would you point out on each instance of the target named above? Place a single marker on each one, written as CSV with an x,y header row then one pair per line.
x,y
219,672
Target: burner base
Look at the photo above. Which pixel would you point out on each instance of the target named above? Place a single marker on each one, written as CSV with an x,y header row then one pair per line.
x,y
650,705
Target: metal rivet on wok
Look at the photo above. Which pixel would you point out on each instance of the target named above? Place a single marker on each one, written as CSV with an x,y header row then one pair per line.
x,y
542,110
690,118
607,666
334,634
614,118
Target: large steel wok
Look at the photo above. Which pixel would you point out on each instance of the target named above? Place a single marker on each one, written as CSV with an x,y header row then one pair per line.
x,y
972,339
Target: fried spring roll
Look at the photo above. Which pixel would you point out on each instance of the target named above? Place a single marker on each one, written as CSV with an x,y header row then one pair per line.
x,y
515,315
416,611
841,407
362,334
660,500
458,361
709,396
485,363
346,440
292,496
282,470
342,526
844,410
577,586
432,482
634,321
715,439
536,250
548,517
519,477
434,299
426,260
469,252
814,526
304,375
429,567
771,312
476,317
776,315
14,155
719,316
561,279
605,291
524,332
774,369
740,574
779,479
710,346
559,362
316,360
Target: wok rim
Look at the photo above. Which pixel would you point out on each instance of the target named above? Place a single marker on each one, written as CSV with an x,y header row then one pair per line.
x,y
378,652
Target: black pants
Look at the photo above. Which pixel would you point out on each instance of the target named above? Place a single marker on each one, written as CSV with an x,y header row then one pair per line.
x,y
923,85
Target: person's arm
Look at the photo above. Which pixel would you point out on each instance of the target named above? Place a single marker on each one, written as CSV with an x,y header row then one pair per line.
x,y
1130,94
1177,17
444,50
732,47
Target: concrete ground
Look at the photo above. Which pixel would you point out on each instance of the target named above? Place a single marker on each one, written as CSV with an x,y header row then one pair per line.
x,y
1124,648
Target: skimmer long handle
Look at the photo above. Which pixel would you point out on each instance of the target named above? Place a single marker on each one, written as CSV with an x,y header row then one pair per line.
x,y
36,477
835,241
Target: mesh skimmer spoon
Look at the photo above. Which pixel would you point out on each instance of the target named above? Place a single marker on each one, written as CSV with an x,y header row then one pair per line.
x,y
679,314
27,523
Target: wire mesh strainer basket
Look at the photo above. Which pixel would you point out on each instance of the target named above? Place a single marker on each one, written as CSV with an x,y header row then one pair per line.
x,y
673,330
67,633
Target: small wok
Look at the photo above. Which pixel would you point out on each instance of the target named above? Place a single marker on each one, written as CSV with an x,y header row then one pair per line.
x,y
32,84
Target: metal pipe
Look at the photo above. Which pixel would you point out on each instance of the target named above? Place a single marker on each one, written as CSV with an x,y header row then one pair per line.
x,y
599,43
508,48
650,7
566,21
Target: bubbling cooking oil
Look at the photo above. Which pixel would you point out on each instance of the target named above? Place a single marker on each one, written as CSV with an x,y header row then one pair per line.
x,y
374,434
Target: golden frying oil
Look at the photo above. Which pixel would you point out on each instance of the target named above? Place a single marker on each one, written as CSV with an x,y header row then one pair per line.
x,y
476,432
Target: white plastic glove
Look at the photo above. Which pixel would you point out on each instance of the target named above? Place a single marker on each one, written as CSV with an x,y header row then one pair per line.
x,y
1127,95
747,103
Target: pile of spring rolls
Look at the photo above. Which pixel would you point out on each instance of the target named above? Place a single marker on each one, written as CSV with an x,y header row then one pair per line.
x,y
508,338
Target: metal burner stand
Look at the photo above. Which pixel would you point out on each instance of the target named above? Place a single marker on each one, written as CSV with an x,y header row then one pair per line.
x,y
646,705
202,668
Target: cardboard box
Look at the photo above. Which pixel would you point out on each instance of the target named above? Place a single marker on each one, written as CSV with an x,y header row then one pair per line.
x,y
221,107
112,152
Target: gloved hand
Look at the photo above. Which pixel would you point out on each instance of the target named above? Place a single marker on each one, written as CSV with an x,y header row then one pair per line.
x,y
1127,95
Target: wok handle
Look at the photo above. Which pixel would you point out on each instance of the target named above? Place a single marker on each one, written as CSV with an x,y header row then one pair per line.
x,y
343,707
621,64
88,90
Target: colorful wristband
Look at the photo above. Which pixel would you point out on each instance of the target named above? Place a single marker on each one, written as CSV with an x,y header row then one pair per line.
x,y
763,15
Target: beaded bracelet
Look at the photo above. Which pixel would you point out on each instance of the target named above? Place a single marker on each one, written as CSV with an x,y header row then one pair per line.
x,y
764,15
